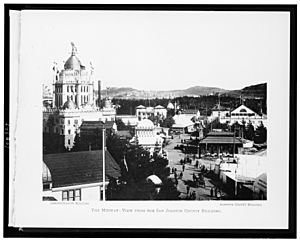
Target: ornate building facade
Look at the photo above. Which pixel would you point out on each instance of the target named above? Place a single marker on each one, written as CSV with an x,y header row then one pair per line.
x,y
74,101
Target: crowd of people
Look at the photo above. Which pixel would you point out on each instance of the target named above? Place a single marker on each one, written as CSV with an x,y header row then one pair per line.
x,y
198,180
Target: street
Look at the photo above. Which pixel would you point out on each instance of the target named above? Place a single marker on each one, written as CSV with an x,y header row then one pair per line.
x,y
186,186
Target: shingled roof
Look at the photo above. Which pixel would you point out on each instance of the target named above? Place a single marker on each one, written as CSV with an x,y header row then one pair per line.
x,y
77,168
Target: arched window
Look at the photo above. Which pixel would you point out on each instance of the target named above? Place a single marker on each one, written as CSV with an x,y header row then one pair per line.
x,y
243,110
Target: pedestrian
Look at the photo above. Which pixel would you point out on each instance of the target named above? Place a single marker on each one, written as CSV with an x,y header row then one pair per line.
x,y
219,195
194,177
194,195
187,189
183,167
181,175
211,192
216,192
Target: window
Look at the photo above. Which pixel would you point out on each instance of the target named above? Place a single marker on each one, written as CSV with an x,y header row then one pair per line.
x,y
69,132
61,121
71,195
62,131
57,131
69,142
67,88
76,122
69,122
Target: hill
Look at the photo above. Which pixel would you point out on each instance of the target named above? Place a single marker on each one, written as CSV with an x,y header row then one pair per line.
x,y
253,91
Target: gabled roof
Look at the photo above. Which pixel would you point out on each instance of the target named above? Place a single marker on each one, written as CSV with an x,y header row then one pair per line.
x,y
159,107
243,109
140,107
76,168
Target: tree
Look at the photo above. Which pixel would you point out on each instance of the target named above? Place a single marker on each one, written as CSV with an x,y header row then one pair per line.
x,y
167,122
120,124
76,145
249,133
260,134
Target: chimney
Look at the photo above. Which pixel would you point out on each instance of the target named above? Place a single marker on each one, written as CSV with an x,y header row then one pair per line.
x,y
99,93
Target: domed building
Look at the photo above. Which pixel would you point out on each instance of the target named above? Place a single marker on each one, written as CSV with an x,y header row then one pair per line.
x,y
74,102
147,137
73,82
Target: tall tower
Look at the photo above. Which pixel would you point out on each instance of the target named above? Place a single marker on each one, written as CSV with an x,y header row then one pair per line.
x,y
74,83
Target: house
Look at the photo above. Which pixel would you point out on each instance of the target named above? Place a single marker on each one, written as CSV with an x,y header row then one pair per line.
x,y
220,142
244,114
183,124
246,177
147,137
77,176
143,112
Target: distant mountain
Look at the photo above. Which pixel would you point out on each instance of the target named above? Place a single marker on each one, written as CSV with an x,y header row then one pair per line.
x,y
130,93
253,91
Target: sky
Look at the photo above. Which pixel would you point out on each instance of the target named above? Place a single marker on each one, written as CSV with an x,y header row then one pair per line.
x,y
160,50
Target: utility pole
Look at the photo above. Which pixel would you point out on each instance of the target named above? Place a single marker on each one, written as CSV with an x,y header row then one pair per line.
x,y
103,157
234,141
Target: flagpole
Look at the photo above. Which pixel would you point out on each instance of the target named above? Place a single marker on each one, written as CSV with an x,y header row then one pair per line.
x,y
103,157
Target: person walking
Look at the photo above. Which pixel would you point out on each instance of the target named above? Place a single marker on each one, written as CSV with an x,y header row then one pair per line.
x,y
194,177
187,189
194,195
211,192
180,175
183,167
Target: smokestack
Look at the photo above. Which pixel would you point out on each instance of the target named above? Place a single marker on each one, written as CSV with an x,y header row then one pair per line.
x,y
99,93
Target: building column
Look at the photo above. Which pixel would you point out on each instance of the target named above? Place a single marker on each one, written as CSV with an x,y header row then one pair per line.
x,y
78,97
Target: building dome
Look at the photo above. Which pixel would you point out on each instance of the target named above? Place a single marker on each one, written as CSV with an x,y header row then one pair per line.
x,y
145,124
69,104
73,63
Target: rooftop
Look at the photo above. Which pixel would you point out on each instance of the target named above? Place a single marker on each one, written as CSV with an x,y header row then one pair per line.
x,y
77,168
96,124
227,138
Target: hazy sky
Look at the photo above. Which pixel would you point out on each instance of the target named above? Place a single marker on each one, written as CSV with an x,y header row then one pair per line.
x,y
161,50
